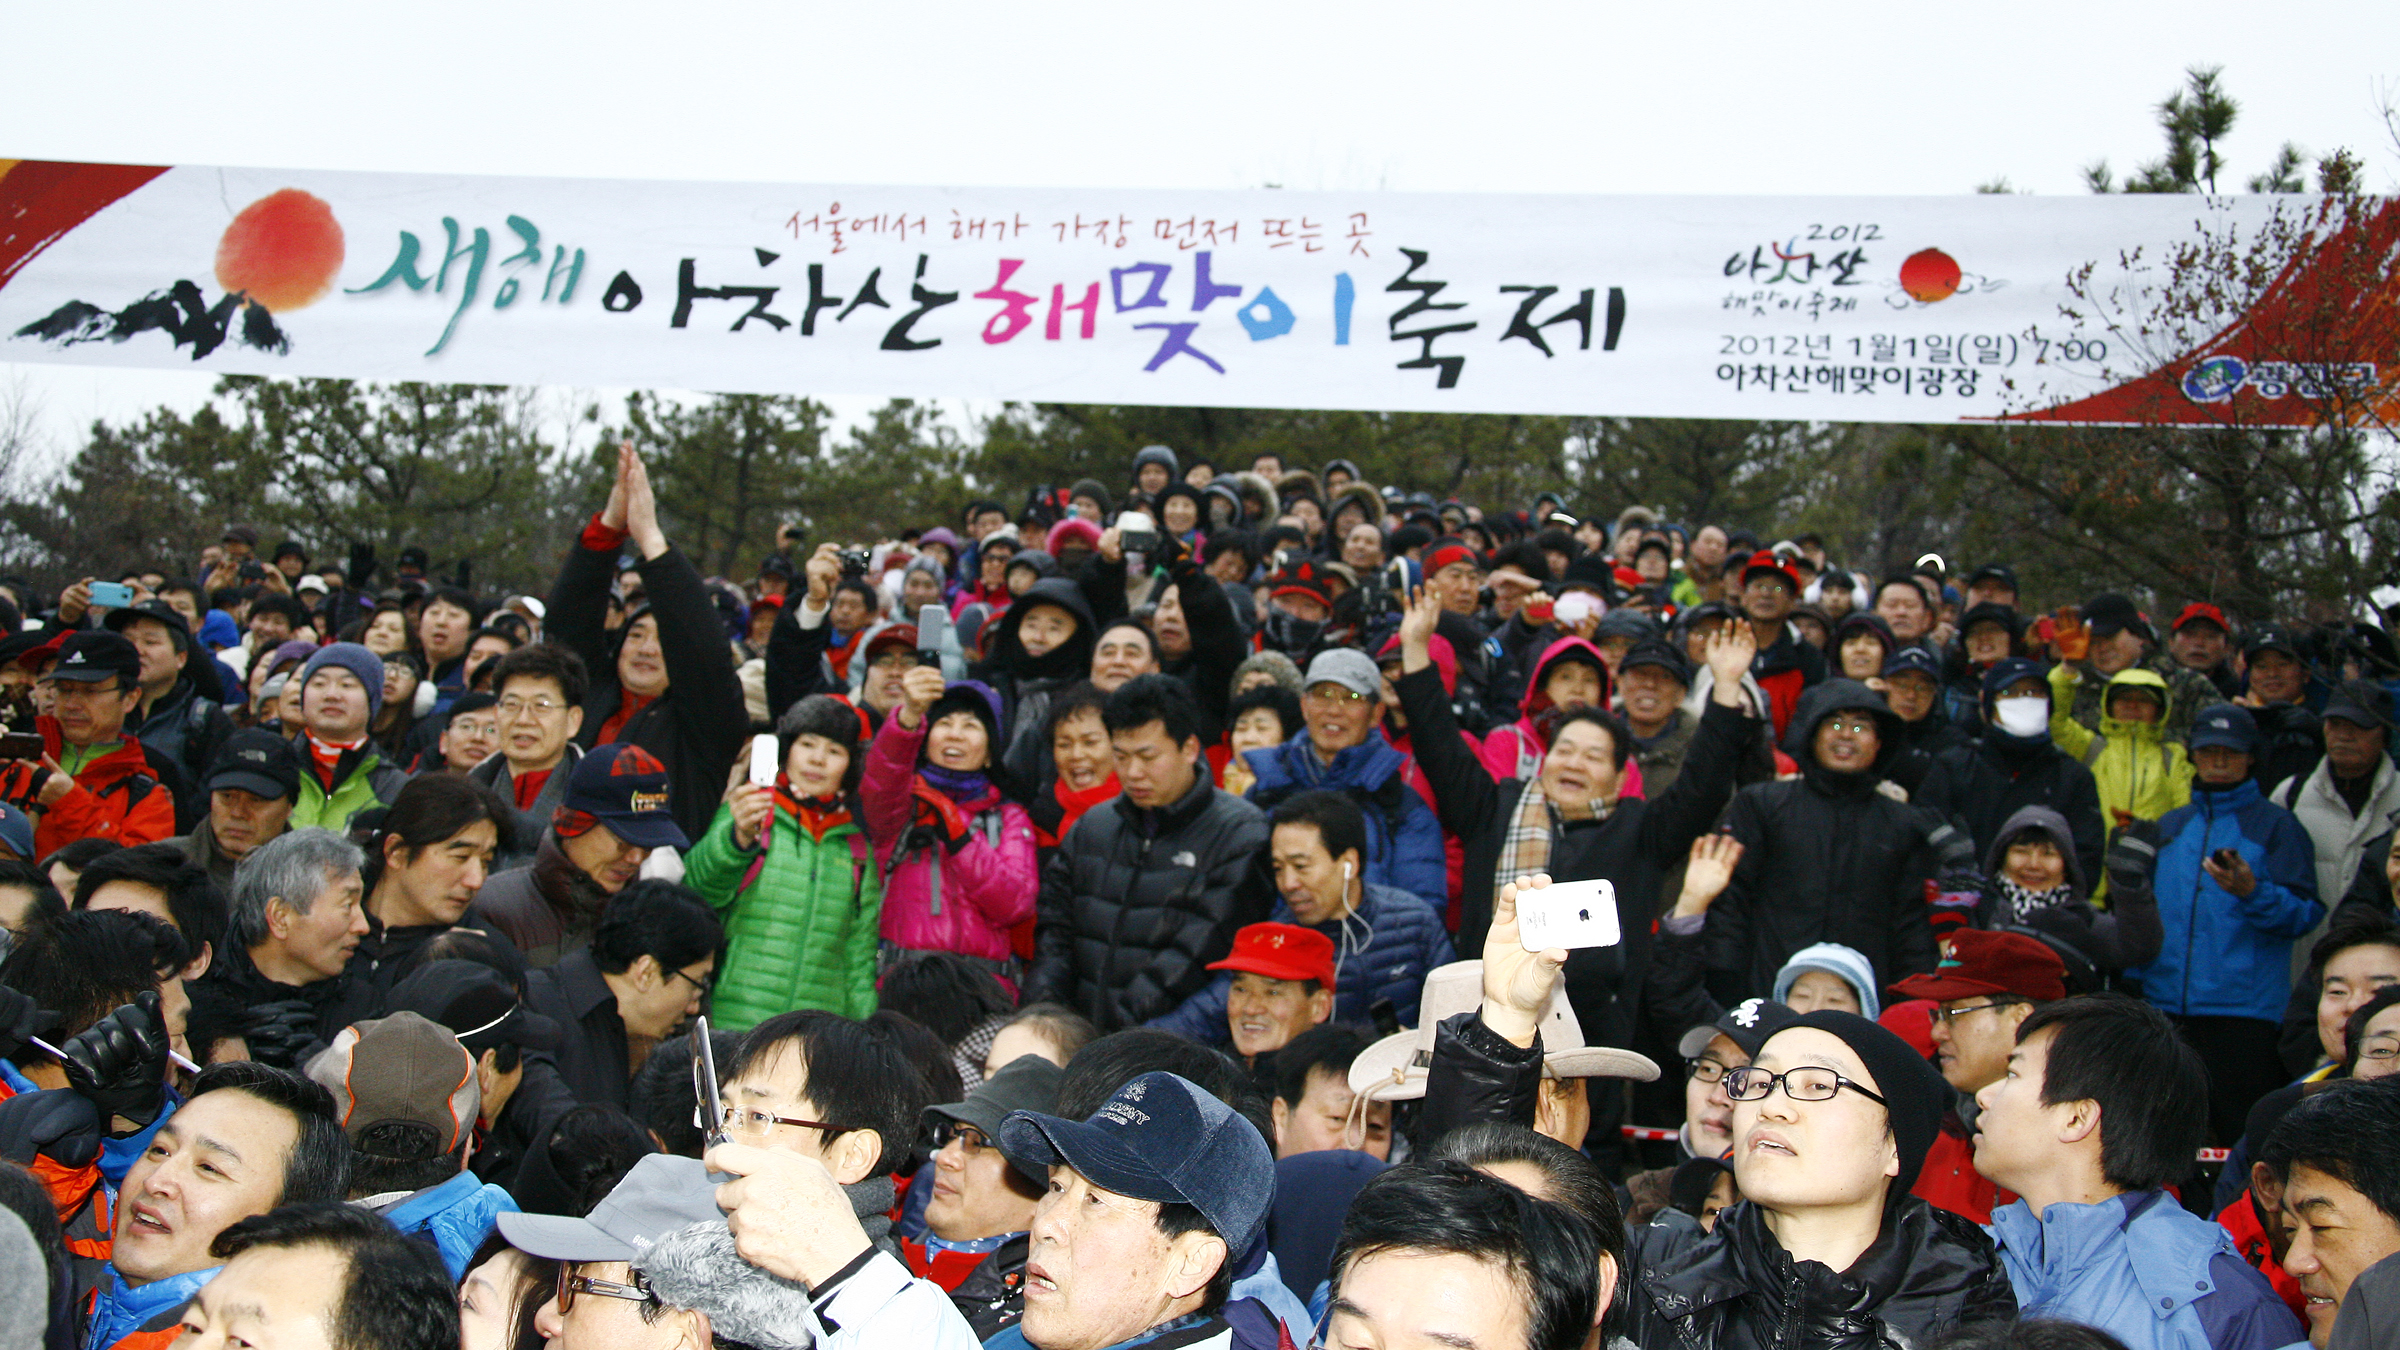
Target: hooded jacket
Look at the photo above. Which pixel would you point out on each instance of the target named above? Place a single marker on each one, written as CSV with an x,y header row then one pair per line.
x,y
1827,858
1515,750
1027,683
1928,1275
698,725
957,895
1135,904
2127,935
801,916
1634,845
2226,955
2135,767
1786,669
2141,1268
1404,841
1978,788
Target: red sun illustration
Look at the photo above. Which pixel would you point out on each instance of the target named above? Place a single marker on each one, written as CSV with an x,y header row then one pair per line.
x,y
283,251
1929,275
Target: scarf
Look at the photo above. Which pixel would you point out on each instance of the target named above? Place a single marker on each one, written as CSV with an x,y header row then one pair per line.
x,y
1525,849
816,816
960,787
872,1200
2018,905
1072,804
327,756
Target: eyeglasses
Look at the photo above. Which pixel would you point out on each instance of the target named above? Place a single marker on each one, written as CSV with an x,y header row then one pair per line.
x,y
571,1284
1334,694
895,660
971,1140
701,986
1953,1014
1853,726
2382,1047
1705,1071
543,708
1805,1084
742,1121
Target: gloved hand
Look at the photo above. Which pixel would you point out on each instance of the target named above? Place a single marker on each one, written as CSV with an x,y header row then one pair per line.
x,y
20,1019
61,1126
119,1063
2132,856
280,1033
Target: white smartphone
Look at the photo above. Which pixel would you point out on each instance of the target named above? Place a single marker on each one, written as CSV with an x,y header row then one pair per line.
x,y
1571,914
765,763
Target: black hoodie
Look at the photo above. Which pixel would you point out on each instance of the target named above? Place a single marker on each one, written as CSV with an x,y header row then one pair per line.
x,y
1829,857
1026,683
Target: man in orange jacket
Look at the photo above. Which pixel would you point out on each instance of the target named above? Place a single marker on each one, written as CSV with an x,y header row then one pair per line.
x,y
93,780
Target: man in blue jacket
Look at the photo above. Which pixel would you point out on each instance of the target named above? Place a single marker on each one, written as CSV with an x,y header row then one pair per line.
x,y
1341,702
2236,883
2100,1111
1384,940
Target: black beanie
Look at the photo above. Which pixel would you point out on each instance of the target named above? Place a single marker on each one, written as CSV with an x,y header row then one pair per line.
x,y
1913,1092
837,720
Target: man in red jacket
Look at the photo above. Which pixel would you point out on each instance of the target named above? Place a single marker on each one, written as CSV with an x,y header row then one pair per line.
x,y
1986,984
93,780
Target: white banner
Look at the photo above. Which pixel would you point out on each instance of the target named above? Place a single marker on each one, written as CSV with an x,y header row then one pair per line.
x,y
1934,309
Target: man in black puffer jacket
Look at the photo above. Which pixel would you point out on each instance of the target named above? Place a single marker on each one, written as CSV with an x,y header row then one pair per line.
x,y
1828,857
1146,890
665,680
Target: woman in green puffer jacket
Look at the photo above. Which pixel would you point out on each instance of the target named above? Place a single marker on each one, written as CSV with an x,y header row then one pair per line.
x,y
793,875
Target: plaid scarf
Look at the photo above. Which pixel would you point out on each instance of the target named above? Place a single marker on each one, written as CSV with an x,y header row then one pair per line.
x,y
1525,849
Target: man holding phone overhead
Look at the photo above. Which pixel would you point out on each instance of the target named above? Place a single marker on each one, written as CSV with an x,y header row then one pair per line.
x,y
89,779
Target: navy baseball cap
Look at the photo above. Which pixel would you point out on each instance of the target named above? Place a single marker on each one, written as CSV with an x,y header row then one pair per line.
x,y
1904,660
2228,725
16,832
624,787
1160,1137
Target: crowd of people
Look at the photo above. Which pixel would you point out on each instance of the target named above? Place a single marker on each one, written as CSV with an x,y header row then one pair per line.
x,y
1121,921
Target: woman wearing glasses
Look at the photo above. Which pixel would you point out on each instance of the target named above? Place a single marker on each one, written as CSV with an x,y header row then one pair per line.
x,y
1831,1123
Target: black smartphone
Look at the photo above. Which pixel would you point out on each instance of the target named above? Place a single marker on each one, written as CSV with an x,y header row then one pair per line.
x,y
22,745
2224,857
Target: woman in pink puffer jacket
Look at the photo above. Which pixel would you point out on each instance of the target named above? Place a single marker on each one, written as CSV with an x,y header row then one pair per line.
x,y
957,855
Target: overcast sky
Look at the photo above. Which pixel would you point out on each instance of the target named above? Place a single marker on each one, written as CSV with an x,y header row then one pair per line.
x,y
1827,99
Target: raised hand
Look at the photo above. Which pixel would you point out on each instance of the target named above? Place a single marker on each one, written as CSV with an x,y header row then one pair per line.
x,y
1517,984
1416,629
920,689
1707,872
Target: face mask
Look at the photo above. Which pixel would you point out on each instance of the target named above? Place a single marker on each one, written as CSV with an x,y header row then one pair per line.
x,y
2022,716
1290,634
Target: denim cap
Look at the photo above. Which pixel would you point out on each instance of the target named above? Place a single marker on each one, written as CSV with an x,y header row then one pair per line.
x,y
1162,1138
2227,725
661,1194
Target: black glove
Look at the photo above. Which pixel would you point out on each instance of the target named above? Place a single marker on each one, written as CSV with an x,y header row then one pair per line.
x,y
61,1126
120,1062
464,577
20,1020
2132,856
362,566
280,1033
